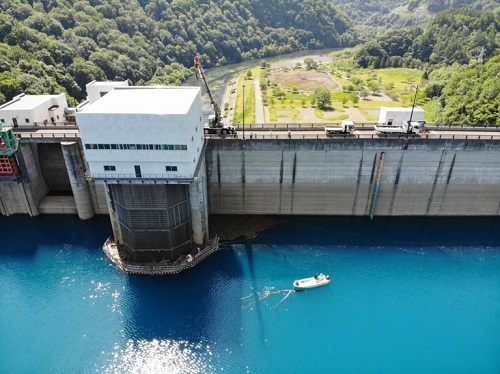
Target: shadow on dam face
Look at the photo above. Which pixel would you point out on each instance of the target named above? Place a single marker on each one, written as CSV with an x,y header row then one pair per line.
x,y
53,168
382,231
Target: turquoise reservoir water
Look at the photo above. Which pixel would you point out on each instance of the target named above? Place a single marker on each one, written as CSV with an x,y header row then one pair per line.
x,y
407,296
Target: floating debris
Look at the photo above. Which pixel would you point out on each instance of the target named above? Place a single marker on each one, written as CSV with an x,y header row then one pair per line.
x,y
257,296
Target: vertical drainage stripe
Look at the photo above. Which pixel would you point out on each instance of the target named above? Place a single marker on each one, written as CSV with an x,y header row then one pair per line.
x,y
451,169
448,179
396,185
358,182
376,184
219,185
294,170
434,184
243,181
371,183
281,182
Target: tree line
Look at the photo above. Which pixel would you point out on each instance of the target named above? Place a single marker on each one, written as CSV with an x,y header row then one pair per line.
x,y
458,53
52,46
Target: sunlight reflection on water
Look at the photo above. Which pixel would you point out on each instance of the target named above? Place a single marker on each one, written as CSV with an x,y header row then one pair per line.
x,y
160,356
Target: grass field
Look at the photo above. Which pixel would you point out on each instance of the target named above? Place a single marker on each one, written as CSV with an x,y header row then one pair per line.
x,y
288,93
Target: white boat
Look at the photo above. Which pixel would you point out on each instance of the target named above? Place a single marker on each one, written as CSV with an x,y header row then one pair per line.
x,y
316,281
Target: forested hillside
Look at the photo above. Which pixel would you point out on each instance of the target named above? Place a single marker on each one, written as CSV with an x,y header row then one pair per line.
x,y
452,36
457,51
374,17
50,46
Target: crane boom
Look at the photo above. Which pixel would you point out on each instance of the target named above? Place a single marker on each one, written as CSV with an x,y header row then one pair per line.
x,y
215,107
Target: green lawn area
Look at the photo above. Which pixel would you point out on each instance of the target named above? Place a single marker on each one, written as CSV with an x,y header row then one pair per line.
x,y
403,80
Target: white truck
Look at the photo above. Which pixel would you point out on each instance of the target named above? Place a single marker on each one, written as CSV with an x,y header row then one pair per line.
x,y
398,121
346,127
413,127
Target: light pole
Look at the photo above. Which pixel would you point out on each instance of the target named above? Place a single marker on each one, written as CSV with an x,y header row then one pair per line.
x,y
414,101
413,107
243,111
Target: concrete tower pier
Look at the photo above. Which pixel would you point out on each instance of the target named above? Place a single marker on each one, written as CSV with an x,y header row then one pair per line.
x,y
79,185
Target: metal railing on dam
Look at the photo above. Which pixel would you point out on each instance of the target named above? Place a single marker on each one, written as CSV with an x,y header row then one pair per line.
x,y
52,132
360,125
294,135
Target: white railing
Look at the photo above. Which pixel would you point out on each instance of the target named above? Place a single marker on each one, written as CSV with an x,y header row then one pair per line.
x,y
111,250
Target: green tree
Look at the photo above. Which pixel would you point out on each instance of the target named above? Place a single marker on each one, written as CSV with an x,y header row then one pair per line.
x,y
310,63
373,86
323,98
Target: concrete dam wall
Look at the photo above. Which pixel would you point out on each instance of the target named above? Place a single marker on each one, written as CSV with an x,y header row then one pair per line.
x,y
377,177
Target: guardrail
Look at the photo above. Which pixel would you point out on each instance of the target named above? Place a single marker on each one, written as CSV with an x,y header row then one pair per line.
x,y
292,136
43,125
111,250
139,177
357,126
34,135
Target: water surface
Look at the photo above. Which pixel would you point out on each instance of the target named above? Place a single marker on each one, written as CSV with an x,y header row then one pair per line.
x,y
407,296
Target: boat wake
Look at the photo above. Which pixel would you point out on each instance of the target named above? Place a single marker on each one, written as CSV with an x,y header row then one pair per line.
x,y
252,299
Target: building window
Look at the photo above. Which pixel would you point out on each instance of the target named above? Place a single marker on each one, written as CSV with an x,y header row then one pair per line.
x,y
171,168
109,168
164,147
27,120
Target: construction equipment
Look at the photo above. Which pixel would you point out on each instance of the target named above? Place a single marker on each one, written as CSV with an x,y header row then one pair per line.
x,y
215,124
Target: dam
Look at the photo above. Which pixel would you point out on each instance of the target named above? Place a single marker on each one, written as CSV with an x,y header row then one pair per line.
x,y
138,154
418,177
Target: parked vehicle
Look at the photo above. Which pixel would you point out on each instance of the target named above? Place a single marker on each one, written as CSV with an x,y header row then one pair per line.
x,y
346,127
413,127
215,124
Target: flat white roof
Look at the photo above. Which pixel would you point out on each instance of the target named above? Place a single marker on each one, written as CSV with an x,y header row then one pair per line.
x,y
108,83
28,102
145,100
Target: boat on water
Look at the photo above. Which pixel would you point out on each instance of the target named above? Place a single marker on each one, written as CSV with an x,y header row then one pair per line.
x,y
312,282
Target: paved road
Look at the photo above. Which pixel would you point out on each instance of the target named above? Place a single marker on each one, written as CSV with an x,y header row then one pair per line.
x,y
253,133
365,134
259,107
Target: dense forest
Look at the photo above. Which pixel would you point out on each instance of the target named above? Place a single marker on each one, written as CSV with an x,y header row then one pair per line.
x,y
60,45
452,36
54,46
374,17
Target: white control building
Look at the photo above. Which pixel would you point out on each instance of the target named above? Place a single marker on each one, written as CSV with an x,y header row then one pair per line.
x,y
146,144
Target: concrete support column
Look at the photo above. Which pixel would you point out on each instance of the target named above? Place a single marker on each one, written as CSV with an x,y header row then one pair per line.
x,y
79,186
195,196
117,234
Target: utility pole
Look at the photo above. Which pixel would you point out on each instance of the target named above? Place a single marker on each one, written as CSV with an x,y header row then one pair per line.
x,y
413,107
243,111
